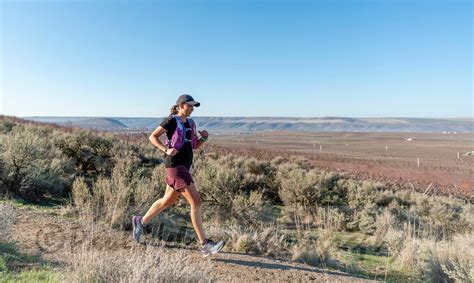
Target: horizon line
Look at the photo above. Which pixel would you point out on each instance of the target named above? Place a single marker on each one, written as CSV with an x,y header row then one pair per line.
x,y
300,117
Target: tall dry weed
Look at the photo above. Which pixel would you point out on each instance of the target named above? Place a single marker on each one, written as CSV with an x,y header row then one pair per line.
x,y
148,264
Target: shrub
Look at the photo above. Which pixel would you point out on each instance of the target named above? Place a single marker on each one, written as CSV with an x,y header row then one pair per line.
x,y
267,240
81,193
249,209
147,190
299,190
6,125
315,252
91,153
446,219
330,218
450,261
233,189
383,223
27,169
304,192
3,187
436,261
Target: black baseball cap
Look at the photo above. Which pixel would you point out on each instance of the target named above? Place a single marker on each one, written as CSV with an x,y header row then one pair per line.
x,y
186,98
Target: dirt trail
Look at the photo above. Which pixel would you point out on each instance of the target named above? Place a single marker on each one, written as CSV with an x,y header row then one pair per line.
x,y
57,239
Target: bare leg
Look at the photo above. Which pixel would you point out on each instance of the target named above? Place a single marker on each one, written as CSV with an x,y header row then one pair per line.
x,y
170,197
194,199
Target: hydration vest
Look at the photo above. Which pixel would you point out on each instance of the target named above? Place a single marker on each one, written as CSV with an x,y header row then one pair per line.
x,y
179,136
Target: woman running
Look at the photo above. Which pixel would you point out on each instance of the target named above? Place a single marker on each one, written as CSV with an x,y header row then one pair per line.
x,y
181,140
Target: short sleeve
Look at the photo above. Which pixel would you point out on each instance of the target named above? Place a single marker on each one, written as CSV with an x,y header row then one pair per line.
x,y
169,124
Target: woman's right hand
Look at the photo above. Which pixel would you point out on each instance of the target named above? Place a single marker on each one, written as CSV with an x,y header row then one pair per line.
x,y
171,151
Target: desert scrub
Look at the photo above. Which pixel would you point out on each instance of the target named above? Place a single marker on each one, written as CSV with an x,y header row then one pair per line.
x,y
233,189
268,240
91,153
136,265
439,261
27,170
113,200
423,253
315,251
308,189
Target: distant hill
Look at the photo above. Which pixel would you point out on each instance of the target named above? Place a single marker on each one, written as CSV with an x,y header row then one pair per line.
x,y
99,123
251,124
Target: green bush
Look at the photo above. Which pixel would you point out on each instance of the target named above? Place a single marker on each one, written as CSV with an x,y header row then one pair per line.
x,y
27,168
113,200
304,191
6,125
92,154
234,189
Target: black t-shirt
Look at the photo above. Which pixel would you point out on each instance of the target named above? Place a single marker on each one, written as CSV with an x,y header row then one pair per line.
x,y
185,154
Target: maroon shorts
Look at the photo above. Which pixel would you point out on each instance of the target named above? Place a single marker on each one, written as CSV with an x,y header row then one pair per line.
x,y
178,177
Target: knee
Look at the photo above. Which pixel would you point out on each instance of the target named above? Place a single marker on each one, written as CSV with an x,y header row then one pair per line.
x,y
197,201
167,202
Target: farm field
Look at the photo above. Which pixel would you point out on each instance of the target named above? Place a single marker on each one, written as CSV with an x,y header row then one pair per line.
x,y
437,162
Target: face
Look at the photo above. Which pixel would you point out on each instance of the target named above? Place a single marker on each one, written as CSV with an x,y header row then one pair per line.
x,y
186,109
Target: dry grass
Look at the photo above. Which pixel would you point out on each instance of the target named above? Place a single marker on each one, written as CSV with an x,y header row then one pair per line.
x,y
418,246
316,252
138,265
7,217
266,240
113,200
90,252
449,260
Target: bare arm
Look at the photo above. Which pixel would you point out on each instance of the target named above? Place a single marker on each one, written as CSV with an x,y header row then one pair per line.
x,y
204,134
154,139
198,145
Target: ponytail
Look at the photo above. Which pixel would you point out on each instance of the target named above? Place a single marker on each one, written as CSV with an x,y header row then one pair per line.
x,y
174,110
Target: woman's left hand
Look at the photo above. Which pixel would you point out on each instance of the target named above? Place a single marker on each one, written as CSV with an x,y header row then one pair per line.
x,y
204,134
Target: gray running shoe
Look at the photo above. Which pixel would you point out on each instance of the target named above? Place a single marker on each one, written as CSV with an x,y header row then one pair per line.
x,y
211,247
137,227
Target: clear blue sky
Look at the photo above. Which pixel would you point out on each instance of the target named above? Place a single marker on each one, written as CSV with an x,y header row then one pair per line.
x,y
374,58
